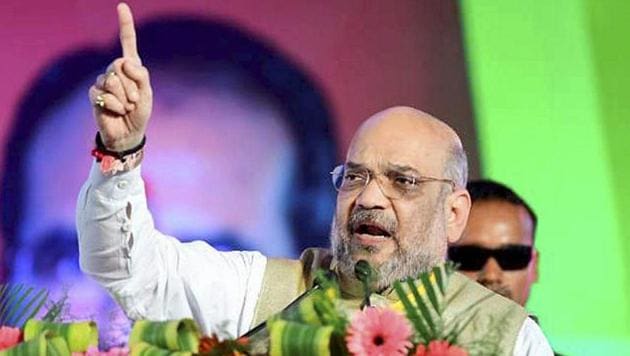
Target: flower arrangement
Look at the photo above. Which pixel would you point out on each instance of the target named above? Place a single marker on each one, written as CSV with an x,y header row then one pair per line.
x,y
412,323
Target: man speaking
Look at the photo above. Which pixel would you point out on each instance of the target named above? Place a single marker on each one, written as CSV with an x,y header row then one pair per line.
x,y
401,199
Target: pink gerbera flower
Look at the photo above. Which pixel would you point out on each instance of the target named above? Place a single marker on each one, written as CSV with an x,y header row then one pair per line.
x,y
440,348
376,332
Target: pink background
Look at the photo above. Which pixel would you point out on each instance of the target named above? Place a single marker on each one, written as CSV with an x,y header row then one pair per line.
x,y
364,55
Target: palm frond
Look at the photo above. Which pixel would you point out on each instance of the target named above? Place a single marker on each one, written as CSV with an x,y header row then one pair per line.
x,y
412,313
7,300
425,278
56,310
18,303
32,307
424,300
441,278
424,309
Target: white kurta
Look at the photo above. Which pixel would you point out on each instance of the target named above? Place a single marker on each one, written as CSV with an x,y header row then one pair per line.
x,y
155,276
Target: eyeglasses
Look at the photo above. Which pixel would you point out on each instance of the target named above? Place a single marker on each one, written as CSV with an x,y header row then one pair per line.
x,y
394,184
473,258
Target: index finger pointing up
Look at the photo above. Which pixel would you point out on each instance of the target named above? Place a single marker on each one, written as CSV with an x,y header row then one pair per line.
x,y
127,32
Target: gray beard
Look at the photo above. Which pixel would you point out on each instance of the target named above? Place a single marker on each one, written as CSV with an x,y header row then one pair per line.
x,y
427,251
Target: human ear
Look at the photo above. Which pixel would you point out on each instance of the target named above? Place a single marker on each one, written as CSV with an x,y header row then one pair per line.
x,y
457,208
534,262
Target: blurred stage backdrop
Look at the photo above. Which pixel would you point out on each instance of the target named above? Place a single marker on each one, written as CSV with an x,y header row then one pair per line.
x,y
255,101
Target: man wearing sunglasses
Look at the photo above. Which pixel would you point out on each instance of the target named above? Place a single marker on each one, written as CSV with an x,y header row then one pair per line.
x,y
497,245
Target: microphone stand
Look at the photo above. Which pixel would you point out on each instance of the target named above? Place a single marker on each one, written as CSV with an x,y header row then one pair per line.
x,y
296,301
364,273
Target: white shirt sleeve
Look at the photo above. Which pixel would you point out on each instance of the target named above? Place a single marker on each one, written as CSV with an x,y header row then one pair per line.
x,y
531,340
155,276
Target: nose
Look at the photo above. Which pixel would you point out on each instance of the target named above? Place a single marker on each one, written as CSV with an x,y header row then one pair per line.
x,y
491,273
372,196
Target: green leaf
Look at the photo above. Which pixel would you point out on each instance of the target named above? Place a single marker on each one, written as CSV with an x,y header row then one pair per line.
x,y
146,349
293,338
46,343
36,309
450,267
428,287
53,314
39,298
174,335
8,302
424,310
441,282
412,313
18,304
79,336
3,288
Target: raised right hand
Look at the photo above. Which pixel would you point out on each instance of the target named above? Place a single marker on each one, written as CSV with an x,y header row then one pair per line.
x,y
122,98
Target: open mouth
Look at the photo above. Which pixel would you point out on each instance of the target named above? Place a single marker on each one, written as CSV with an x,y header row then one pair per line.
x,y
372,230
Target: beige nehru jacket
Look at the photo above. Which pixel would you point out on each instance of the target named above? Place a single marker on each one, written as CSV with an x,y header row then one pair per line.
x,y
498,319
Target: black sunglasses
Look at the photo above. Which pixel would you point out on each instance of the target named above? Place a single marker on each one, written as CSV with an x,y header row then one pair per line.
x,y
473,258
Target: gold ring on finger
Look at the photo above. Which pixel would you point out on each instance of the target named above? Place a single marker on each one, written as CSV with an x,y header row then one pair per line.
x,y
99,102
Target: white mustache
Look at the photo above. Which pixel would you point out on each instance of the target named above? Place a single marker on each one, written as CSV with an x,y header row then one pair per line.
x,y
372,217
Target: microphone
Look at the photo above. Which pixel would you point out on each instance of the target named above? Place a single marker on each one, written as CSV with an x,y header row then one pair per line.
x,y
364,273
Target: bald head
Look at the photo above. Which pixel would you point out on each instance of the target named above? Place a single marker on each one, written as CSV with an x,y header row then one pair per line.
x,y
411,134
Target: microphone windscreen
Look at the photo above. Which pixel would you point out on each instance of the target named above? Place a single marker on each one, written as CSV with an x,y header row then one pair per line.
x,y
362,270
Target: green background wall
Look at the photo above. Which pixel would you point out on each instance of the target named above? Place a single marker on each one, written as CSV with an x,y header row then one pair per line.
x,y
550,82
